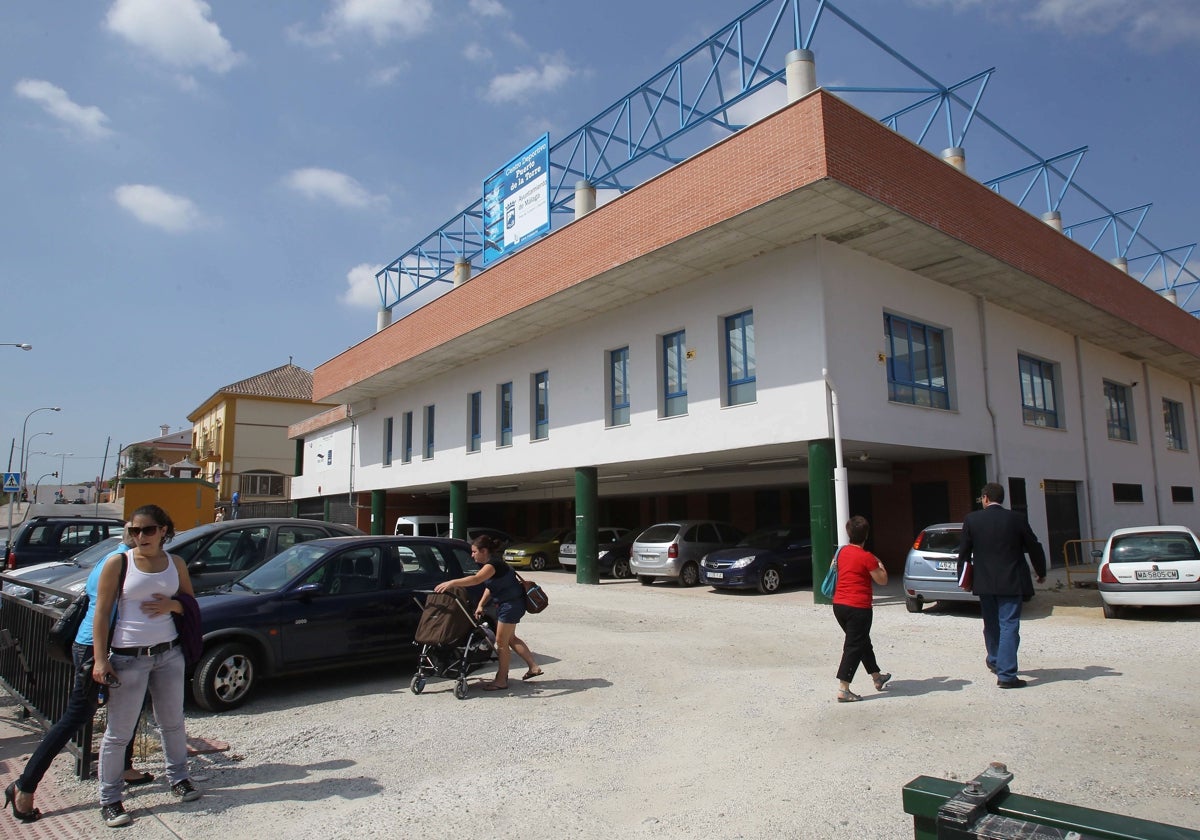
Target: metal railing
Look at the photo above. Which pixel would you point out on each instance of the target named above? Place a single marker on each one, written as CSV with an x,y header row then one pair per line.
x,y
1078,562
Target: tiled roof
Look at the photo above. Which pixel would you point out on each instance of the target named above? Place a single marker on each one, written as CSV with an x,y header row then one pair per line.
x,y
285,382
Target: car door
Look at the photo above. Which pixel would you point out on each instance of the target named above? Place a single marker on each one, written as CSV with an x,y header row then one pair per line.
x,y
796,553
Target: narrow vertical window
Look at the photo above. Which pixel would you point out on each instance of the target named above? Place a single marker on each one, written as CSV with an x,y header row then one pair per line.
x,y
428,432
504,415
1039,404
674,362
1116,401
741,379
541,405
406,437
618,387
387,442
1173,425
474,408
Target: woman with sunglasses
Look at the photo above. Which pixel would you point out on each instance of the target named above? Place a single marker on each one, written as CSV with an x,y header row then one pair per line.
x,y
144,651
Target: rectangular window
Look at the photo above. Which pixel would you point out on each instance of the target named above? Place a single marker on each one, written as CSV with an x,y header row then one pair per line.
x,y
618,387
406,437
504,408
916,364
1120,420
1173,424
1039,404
1127,492
541,405
387,442
1182,494
740,364
428,432
474,420
674,366
261,484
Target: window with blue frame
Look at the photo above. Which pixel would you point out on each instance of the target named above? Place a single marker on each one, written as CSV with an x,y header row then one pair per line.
x,y
387,442
674,366
504,415
1173,425
618,387
474,420
1117,411
428,432
740,367
916,363
406,437
541,405
1039,403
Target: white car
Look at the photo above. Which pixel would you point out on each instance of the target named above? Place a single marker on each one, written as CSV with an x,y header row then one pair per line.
x,y
1150,566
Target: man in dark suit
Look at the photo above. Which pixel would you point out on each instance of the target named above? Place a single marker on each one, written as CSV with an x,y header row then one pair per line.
x,y
996,541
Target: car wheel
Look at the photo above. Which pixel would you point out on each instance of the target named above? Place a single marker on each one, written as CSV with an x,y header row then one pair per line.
x,y
914,604
417,685
1111,610
689,575
460,689
224,677
537,562
620,569
645,580
769,580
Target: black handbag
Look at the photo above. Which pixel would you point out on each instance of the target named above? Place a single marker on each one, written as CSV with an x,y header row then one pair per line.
x,y
63,631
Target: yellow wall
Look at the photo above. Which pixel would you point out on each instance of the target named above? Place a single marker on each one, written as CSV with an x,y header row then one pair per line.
x,y
188,501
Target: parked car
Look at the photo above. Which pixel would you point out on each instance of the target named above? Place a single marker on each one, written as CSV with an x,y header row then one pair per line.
x,y
46,538
539,553
673,550
1152,566
51,573
931,569
505,539
612,550
765,560
342,601
421,526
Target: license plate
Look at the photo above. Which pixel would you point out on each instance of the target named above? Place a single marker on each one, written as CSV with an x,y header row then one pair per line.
x,y
717,575
1157,574
648,558
947,565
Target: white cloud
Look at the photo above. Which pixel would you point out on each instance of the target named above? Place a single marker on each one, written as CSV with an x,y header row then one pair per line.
x,y
361,288
383,20
87,120
326,184
524,81
488,8
156,207
476,52
178,33
384,76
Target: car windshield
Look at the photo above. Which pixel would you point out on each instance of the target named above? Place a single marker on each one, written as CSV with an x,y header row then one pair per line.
x,y
659,534
1160,547
766,538
94,554
283,567
946,540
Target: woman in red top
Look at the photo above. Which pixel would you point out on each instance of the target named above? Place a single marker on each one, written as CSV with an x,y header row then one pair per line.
x,y
857,567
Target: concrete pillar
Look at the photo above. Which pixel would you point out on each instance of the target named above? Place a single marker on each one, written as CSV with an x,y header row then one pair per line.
x,y
821,511
1121,263
458,510
383,320
1054,219
956,156
586,554
801,74
585,198
379,512
462,271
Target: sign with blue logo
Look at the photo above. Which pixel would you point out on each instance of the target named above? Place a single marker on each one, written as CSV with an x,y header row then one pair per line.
x,y
12,482
516,202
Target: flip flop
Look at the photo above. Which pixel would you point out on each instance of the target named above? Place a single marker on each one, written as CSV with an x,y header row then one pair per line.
x,y
144,779
491,686
531,674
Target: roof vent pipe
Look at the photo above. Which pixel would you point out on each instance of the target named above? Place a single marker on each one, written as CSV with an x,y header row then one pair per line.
x,y
383,319
1169,294
801,74
585,198
1121,263
1054,219
956,156
462,271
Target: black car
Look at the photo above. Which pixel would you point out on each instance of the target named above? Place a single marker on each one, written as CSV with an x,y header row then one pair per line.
x,y
328,603
764,560
45,538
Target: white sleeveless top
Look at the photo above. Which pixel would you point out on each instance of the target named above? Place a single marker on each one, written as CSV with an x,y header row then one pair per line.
x,y
134,627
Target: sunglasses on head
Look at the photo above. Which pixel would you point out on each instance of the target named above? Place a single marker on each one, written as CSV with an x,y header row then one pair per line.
x,y
148,530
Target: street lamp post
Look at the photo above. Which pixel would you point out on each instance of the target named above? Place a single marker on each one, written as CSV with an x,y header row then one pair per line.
x,y
22,346
25,458
24,426
38,484
62,469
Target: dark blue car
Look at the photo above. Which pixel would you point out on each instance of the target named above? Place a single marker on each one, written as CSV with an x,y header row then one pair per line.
x,y
326,603
764,560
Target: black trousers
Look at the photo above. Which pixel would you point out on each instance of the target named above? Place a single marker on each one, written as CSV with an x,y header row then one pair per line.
x,y
856,624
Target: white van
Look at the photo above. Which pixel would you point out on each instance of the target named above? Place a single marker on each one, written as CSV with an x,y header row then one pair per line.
x,y
421,526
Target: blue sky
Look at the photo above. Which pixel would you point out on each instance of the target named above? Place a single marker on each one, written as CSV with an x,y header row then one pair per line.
x,y
193,192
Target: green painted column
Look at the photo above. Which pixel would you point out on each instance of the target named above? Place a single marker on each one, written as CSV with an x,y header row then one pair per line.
x,y
977,474
587,567
458,510
821,511
378,512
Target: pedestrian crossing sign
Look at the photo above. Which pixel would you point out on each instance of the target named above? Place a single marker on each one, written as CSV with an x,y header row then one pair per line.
x,y
12,482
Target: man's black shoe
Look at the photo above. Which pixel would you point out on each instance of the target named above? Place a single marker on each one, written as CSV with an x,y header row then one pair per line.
x,y
990,666
1017,683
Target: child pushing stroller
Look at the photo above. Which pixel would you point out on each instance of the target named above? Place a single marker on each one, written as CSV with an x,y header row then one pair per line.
x,y
453,643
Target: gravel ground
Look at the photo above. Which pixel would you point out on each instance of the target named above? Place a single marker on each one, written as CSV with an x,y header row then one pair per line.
x,y
673,713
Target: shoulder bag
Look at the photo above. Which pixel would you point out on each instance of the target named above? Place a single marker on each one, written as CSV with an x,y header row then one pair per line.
x,y
536,598
829,585
66,628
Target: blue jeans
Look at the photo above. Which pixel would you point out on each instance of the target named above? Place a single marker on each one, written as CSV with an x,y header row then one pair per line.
x,y
1002,633
164,674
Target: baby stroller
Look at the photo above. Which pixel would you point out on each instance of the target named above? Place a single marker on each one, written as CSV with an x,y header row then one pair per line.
x,y
452,643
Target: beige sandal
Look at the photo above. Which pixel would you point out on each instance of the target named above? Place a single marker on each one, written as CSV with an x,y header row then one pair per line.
x,y
845,695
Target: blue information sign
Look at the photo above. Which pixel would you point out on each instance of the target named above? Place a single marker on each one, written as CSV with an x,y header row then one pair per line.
x,y
12,482
516,202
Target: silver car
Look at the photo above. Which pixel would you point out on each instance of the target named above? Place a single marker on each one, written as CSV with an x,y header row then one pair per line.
x,y
931,570
673,550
